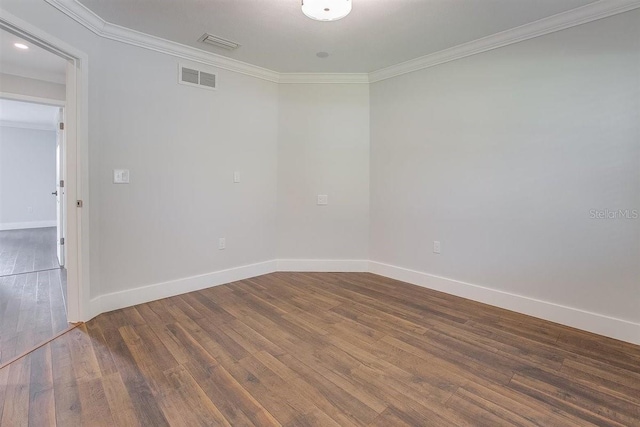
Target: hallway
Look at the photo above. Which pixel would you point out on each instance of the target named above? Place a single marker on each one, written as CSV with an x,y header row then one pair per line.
x,y
24,251
32,290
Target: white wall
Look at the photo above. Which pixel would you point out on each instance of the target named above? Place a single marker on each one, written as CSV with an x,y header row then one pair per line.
x,y
181,145
501,157
323,148
27,178
13,84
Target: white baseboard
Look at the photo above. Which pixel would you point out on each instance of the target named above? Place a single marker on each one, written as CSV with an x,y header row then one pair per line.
x,y
324,265
130,297
580,319
25,225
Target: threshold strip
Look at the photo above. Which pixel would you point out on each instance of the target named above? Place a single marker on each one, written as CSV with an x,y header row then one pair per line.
x,y
29,272
45,342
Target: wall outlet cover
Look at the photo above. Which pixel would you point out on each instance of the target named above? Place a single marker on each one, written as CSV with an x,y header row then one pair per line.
x,y
121,176
323,199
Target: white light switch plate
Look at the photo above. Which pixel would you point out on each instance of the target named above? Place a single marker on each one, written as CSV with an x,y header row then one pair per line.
x,y
236,177
323,199
222,243
436,247
121,176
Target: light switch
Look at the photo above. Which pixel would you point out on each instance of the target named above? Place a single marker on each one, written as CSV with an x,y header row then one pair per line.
x,y
323,199
121,176
236,177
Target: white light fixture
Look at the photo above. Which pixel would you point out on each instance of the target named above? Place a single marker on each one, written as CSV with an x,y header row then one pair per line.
x,y
21,46
326,10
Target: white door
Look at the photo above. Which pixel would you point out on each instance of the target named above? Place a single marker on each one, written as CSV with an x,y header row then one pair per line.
x,y
60,187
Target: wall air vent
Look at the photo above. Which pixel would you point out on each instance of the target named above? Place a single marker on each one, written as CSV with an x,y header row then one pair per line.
x,y
218,42
193,77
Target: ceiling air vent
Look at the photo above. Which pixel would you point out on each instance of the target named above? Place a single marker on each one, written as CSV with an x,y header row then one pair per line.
x,y
194,77
218,42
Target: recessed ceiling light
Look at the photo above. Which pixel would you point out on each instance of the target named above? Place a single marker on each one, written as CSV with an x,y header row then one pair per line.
x,y
322,54
326,10
21,46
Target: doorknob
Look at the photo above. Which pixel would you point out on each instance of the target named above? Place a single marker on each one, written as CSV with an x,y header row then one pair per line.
x,y
55,193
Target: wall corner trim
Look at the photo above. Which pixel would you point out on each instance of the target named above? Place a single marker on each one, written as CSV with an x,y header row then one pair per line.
x,y
592,322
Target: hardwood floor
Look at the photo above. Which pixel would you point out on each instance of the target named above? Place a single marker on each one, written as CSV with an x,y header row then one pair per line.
x,y
32,290
23,251
325,349
32,309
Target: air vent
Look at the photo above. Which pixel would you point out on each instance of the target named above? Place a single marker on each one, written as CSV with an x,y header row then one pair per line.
x,y
208,79
218,42
193,77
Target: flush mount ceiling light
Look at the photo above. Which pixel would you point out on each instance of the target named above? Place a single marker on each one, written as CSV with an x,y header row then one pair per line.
x,y
21,46
326,10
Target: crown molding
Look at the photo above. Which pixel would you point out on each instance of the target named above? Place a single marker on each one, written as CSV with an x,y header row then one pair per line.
x,y
320,78
84,16
582,15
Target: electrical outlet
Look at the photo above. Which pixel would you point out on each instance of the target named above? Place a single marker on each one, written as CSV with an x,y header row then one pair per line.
x,y
323,199
436,247
222,243
236,177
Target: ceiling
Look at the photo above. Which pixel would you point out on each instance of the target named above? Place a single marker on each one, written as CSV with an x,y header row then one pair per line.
x,y
35,63
275,34
27,114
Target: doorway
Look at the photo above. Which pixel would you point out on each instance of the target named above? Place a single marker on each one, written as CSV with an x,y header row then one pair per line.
x,y
31,165
34,158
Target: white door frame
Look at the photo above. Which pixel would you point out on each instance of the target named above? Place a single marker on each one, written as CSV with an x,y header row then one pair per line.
x,y
76,159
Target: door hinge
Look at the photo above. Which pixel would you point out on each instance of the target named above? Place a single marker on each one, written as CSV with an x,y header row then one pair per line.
x,y
61,183
79,203
61,126
62,240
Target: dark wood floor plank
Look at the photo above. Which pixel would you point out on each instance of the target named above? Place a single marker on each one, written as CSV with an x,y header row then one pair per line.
x,y
573,397
65,386
186,404
41,394
316,349
16,396
119,400
610,379
145,406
